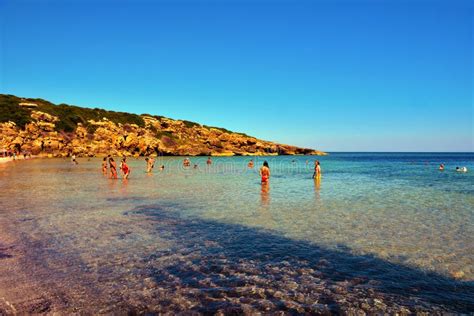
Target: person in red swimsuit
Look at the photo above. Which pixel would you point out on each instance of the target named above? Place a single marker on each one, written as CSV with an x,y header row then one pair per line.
x,y
265,172
125,169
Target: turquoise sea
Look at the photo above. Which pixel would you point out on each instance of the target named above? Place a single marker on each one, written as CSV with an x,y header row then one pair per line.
x,y
386,226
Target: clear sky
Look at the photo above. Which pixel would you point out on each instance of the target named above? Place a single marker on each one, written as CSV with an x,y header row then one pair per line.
x,y
331,75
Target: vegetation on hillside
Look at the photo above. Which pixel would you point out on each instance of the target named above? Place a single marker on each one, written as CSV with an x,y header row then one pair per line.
x,y
70,115
11,111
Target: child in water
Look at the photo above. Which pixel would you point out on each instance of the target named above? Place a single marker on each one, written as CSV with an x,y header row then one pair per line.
x,y
265,172
104,165
125,168
113,168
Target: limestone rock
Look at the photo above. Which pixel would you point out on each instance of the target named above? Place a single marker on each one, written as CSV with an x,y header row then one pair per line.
x,y
159,136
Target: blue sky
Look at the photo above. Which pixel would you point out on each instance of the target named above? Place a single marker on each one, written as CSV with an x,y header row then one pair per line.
x,y
331,75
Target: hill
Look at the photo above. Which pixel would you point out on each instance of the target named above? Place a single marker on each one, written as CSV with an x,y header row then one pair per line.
x,y
38,127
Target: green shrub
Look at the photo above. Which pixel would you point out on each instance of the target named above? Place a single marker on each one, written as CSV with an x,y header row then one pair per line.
x,y
225,130
11,111
190,124
69,115
91,128
160,134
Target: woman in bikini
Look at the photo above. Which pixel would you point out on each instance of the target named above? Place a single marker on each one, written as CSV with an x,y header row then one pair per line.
x,y
265,172
317,170
113,168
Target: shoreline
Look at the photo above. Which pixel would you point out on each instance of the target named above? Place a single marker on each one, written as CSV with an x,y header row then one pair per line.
x,y
5,159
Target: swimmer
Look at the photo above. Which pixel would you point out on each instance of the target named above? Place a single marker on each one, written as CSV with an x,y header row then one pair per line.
x,y
196,166
113,168
186,162
209,161
441,167
265,172
104,165
250,164
162,167
317,170
124,168
463,169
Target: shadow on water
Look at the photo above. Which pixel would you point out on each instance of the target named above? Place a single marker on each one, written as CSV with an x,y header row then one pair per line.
x,y
4,255
3,252
214,260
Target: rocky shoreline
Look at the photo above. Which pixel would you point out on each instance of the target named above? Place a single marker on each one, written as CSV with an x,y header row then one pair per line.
x,y
59,131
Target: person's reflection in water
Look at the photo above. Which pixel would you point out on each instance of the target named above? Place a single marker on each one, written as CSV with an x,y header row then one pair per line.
x,y
317,188
124,187
263,216
265,194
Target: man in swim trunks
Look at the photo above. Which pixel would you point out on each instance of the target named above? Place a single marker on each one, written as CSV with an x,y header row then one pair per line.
x,y
265,172
150,163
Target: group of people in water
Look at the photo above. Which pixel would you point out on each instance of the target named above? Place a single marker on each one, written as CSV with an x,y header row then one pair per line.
x,y
123,167
458,169
109,163
109,166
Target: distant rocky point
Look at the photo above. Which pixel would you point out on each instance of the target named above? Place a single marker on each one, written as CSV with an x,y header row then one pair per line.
x,y
39,127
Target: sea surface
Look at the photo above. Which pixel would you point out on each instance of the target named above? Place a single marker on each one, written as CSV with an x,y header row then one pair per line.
x,y
388,230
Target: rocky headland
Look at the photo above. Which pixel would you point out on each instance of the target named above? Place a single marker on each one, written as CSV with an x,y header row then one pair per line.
x,y
40,127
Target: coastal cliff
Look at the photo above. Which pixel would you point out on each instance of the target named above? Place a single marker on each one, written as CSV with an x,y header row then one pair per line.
x,y
39,127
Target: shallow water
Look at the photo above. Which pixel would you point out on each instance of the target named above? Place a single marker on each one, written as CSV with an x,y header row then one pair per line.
x,y
204,239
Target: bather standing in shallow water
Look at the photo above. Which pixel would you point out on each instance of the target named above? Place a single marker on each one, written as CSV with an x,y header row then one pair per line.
x,y
104,165
317,170
150,164
125,168
265,172
113,168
